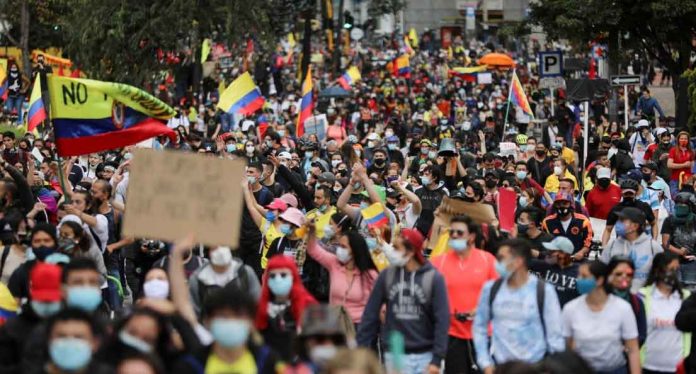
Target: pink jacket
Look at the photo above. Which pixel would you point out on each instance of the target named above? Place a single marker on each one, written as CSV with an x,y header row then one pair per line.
x,y
353,298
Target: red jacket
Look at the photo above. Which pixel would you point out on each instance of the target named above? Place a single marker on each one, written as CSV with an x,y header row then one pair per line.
x,y
599,202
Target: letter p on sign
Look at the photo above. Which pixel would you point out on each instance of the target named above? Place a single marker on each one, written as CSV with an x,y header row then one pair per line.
x,y
550,64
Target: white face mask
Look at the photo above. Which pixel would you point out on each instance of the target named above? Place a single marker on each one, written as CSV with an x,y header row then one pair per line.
x,y
557,170
322,354
222,256
335,163
343,255
250,149
156,289
394,257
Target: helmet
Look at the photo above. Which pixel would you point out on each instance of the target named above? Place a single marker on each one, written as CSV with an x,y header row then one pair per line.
x,y
521,139
629,184
686,198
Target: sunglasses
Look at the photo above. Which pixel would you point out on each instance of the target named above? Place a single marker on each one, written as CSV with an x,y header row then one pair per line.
x,y
281,275
453,232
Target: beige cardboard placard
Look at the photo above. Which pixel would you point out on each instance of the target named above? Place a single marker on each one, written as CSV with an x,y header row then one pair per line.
x,y
171,194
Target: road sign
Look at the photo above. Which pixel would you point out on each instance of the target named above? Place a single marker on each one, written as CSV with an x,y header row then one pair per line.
x,y
552,82
356,33
624,80
550,64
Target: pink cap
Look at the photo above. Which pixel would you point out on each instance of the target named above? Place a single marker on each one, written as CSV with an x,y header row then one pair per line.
x,y
290,199
294,216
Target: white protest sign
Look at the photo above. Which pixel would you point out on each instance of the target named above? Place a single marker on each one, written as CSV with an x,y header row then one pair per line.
x,y
171,194
508,148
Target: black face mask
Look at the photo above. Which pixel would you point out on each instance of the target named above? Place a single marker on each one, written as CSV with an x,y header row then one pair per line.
x,y
647,176
490,183
42,252
603,183
563,212
629,199
380,162
540,153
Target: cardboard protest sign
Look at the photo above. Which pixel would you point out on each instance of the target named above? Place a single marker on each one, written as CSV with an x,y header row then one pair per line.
x,y
507,148
171,194
480,213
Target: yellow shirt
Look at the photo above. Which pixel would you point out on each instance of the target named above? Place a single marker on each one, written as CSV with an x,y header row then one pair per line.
x,y
568,155
323,219
244,365
270,233
552,183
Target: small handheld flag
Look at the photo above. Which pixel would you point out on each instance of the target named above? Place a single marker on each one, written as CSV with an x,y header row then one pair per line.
x,y
92,116
374,216
348,78
241,97
37,112
402,66
3,79
518,97
306,104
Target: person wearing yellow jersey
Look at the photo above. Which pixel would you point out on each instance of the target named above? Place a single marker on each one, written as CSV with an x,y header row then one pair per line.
x,y
560,171
321,215
229,316
270,226
566,153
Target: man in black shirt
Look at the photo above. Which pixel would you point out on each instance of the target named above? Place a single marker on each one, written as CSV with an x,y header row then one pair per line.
x,y
559,269
629,188
529,227
540,165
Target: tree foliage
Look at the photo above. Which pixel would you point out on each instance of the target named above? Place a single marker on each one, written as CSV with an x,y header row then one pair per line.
x,y
663,28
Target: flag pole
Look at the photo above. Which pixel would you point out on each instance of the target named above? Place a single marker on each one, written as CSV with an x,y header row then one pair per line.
x,y
61,173
507,110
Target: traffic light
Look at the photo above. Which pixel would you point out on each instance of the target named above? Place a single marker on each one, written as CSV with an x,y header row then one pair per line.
x,y
348,20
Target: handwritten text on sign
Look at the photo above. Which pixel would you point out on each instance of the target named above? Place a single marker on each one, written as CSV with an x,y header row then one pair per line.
x,y
171,194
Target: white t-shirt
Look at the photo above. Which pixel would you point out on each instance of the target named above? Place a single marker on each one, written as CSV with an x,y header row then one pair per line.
x,y
664,342
599,336
406,216
102,231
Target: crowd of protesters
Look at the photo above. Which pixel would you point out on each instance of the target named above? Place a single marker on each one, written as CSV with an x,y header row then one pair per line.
x,y
592,276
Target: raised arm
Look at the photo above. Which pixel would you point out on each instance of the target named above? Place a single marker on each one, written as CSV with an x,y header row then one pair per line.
x,y
251,204
177,279
342,202
410,196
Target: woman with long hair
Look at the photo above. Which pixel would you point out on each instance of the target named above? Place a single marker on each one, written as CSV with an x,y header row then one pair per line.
x,y
282,302
600,326
621,270
351,270
680,162
665,346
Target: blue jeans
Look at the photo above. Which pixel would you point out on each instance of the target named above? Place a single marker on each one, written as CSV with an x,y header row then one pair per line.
x,y
15,103
620,370
114,299
413,363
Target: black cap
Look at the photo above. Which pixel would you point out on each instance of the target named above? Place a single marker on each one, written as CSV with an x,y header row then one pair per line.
x,y
650,165
632,214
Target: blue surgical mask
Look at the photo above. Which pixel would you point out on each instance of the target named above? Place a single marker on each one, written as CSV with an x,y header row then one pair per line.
x,y
523,201
392,146
70,354
230,332
620,229
270,216
459,245
329,232
521,175
371,243
45,309
363,205
57,258
231,148
281,133
86,298
285,229
585,285
134,342
425,180
502,270
343,254
280,286
309,154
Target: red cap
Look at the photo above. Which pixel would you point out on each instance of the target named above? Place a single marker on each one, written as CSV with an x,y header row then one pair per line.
x,y
415,238
277,204
563,196
44,284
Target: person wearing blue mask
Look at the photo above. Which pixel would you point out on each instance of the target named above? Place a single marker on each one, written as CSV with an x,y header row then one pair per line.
x,y
600,326
517,299
72,340
282,303
229,316
81,286
465,269
250,237
44,242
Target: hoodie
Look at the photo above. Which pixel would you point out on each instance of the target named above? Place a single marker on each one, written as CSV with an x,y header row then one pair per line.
x,y
641,252
420,315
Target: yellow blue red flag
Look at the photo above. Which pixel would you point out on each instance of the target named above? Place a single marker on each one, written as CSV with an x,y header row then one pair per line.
x,y
374,216
242,96
3,79
348,78
402,66
92,116
37,112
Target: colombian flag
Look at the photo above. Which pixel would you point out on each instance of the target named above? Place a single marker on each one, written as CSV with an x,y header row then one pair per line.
x,y
263,125
374,216
92,116
469,74
402,66
37,112
3,79
306,104
351,76
241,97
517,95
